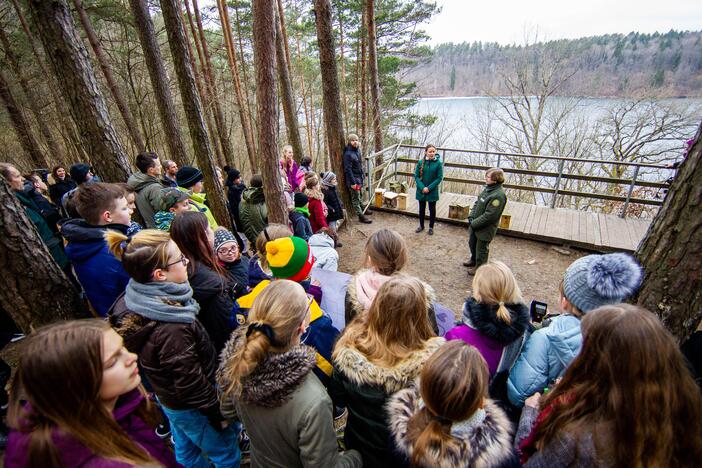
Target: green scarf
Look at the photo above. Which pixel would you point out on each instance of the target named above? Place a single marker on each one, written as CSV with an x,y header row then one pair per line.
x,y
304,210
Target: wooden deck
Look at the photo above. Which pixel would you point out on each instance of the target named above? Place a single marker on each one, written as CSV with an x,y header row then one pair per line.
x,y
586,230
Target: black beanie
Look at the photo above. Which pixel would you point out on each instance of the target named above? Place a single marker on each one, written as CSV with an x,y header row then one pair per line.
x,y
79,172
233,174
301,200
188,176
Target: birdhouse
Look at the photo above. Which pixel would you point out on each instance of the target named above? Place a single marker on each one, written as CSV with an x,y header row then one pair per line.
x,y
459,210
378,200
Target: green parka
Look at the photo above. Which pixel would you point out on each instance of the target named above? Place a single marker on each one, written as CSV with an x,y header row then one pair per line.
x,y
253,212
432,171
486,213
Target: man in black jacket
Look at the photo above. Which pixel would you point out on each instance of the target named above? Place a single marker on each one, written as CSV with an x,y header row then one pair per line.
x,y
353,171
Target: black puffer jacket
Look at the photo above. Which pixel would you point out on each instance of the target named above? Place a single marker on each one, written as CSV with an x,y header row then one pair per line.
x,y
216,295
178,359
60,188
353,166
334,206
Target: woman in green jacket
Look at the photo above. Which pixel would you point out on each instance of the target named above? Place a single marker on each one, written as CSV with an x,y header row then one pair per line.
x,y
427,176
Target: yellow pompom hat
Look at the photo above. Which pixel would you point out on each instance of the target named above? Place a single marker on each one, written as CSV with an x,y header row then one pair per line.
x,y
289,258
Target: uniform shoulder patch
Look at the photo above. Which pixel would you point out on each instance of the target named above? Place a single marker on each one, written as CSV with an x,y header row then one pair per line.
x,y
496,202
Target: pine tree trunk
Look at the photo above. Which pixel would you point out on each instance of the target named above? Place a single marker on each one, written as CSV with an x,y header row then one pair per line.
x,y
289,105
72,67
264,29
342,61
227,149
364,79
241,98
33,100
21,126
671,252
330,93
132,128
159,82
308,120
203,90
33,289
193,111
70,134
374,83
244,72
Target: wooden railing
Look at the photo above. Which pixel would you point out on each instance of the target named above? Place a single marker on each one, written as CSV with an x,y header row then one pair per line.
x,y
379,173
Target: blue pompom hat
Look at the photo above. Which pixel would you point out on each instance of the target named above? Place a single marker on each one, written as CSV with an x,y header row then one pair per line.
x,y
597,280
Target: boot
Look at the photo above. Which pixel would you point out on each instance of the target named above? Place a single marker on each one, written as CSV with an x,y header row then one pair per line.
x,y
363,219
470,263
472,270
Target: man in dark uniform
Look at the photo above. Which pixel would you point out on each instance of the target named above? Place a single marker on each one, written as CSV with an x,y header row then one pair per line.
x,y
484,218
353,173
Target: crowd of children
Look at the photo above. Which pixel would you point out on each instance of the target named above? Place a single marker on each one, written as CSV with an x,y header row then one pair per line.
x,y
225,344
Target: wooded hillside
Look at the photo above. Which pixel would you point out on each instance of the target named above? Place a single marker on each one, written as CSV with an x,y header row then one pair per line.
x,y
667,64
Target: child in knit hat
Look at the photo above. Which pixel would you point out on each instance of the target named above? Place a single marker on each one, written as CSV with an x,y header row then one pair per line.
x,y
291,258
588,283
335,209
190,181
229,256
173,202
299,217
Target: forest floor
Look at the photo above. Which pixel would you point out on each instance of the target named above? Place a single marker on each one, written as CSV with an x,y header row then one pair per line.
x,y
437,259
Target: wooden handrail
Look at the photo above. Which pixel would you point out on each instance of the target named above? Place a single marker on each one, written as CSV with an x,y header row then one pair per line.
x,y
541,156
565,175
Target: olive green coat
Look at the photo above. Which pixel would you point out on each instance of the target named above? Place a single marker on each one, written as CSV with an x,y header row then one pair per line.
x,y
486,213
432,174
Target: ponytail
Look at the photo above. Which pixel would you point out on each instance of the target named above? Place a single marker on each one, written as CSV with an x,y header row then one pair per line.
x,y
116,243
503,313
275,316
429,432
256,346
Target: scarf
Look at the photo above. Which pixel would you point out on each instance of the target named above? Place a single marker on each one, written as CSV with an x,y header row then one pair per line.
x,y
367,285
304,210
162,301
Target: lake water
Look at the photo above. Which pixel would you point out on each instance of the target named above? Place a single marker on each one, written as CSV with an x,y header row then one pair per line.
x,y
462,120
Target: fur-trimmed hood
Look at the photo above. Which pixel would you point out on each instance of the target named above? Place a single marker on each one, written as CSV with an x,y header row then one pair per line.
x,y
352,293
360,371
483,318
485,443
275,379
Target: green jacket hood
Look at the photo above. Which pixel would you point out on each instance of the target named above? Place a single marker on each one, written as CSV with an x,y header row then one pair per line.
x,y
254,195
139,181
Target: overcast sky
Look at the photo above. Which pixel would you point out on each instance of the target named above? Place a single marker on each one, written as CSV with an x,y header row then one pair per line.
x,y
505,21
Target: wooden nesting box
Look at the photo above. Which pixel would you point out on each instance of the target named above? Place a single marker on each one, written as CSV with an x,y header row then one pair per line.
x,y
459,210
378,200
505,220
390,199
402,201
397,186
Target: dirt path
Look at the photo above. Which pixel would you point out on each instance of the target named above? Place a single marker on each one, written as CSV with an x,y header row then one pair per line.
x,y
437,259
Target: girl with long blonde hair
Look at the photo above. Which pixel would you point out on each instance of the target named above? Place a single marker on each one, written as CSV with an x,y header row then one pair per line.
x,y
495,318
379,353
269,384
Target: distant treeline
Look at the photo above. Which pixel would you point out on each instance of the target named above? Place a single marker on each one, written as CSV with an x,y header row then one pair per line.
x,y
667,65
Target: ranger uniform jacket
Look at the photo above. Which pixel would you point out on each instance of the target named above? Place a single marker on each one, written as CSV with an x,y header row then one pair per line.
x,y
486,213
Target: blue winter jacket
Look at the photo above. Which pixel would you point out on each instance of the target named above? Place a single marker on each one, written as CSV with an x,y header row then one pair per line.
x,y
98,271
301,225
547,353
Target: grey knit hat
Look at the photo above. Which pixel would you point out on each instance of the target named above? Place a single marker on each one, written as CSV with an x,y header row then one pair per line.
x,y
596,280
222,237
327,178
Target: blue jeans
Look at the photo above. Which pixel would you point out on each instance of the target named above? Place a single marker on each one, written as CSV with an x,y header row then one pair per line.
x,y
196,441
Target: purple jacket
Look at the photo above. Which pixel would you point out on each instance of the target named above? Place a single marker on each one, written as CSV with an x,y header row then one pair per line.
x,y
499,343
73,453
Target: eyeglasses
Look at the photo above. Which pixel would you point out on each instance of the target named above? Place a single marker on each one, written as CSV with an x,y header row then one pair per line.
x,y
183,259
230,250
